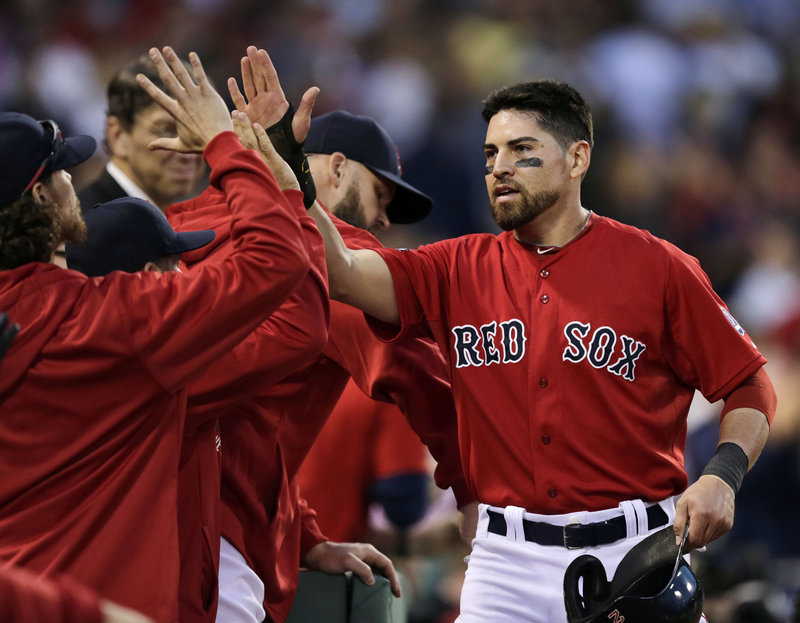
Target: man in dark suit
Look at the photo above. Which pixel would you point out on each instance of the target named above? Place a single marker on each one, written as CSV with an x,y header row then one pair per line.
x,y
133,120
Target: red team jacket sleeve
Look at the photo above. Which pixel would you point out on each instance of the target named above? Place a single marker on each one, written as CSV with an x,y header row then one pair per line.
x,y
310,534
291,338
207,312
701,349
26,598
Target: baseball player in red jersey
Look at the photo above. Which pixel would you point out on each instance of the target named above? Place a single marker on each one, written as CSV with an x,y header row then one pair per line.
x,y
93,391
269,531
575,344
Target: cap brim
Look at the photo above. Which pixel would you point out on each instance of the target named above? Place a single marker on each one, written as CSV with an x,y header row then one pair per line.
x,y
76,149
409,205
190,240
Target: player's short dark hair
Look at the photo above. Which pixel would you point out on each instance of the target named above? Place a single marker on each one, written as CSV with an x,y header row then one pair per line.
x,y
558,108
29,231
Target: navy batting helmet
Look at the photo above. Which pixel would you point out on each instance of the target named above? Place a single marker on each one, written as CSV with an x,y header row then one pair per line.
x,y
653,584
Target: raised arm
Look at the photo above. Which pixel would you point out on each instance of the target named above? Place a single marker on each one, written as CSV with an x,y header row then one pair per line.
x,y
359,278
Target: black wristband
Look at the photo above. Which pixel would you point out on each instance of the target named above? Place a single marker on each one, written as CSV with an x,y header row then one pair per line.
x,y
729,463
282,138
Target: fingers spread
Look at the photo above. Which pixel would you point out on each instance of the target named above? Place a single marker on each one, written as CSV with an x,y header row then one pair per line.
x,y
236,95
161,98
179,70
247,78
259,77
268,70
199,73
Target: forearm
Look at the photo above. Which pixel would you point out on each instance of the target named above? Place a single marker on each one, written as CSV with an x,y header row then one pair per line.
x,y
748,428
357,277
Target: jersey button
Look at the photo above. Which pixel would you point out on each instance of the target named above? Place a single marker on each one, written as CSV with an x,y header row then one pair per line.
x,y
552,492
543,382
544,298
546,439
544,273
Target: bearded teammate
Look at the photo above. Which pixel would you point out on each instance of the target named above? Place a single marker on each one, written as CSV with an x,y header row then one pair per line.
x,y
269,530
575,344
93,391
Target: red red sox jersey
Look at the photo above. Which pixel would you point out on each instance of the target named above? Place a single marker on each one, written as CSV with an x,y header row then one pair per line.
x,y
572,368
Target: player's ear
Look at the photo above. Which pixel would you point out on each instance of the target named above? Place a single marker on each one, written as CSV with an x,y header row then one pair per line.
x,y
337,168
42,193
118,138
579,156
151,267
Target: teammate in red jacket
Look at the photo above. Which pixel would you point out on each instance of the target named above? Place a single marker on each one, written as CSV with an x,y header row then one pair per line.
x,y
132,234
575,344
93,391
267,527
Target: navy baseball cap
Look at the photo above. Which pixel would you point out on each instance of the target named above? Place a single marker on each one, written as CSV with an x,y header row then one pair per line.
x,y
363,140
125,234
31,149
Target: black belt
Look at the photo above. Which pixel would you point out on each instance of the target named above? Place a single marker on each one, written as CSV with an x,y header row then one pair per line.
x,y
575,535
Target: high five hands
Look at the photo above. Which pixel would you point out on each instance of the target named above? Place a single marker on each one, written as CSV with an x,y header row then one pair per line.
x,y
263,100
199,110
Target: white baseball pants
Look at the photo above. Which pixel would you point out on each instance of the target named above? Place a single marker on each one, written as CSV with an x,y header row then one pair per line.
x,y
510,580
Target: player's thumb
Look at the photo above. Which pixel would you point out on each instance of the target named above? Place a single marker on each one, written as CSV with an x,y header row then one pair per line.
x,y
166,144
681,517
302,118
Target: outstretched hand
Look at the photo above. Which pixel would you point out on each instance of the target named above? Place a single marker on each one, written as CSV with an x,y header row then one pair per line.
x,y
253,136
356,557
199,110
263,99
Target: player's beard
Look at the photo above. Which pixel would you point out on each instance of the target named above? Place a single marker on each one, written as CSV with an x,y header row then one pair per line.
x,y
72,227
349,209
523,209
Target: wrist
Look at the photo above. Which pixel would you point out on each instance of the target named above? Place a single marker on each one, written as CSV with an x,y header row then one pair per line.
x,y
729,464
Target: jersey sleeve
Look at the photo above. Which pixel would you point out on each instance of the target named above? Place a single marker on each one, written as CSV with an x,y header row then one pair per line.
x,y
181,323
709,350
422,286
409,372
291,338
310,533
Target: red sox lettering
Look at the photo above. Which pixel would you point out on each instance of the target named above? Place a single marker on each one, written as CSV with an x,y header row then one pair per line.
x,y
485,345
601,348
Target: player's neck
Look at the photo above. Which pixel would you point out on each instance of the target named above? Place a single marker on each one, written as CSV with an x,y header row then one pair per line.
x,y
554,228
